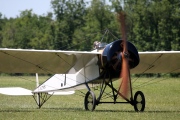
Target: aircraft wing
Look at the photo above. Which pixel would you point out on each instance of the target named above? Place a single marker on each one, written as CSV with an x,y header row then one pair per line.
x,y
57,61
42,61
158,62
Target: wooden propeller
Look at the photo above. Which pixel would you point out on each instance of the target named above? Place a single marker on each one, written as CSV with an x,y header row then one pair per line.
x,y
124,75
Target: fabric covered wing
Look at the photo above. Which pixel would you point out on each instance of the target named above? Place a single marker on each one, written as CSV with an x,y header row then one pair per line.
x,y
158,62
40,61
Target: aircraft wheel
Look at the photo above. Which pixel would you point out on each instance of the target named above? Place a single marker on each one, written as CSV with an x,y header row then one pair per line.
x,y
90,101
139,101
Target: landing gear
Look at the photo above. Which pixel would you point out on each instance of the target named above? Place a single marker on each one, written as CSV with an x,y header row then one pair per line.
x,y
139,101
90,101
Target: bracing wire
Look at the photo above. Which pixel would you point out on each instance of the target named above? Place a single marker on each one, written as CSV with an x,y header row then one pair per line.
x,y
148,67
151,81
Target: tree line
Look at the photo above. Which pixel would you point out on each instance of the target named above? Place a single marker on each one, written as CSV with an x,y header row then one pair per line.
x,y
75,24
152,25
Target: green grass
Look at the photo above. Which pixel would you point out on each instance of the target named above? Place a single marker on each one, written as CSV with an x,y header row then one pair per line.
x,y
162,103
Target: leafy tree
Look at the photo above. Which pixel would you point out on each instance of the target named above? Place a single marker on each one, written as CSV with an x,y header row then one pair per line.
x,y
28,31
8,34
99,18
44,35
154,24
2,22
69,17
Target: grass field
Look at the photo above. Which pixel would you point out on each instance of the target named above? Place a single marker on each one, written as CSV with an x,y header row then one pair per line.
x,y
162,103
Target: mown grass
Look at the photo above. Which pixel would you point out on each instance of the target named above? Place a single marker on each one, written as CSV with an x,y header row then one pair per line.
x,y
162,103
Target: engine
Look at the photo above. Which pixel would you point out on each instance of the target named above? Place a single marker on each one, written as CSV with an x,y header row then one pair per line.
x,y
112,55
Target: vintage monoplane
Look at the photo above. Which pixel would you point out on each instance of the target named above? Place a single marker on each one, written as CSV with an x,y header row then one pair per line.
x,y
76,70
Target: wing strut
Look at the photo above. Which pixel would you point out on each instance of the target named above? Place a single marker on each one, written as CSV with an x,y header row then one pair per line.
x,y
37,84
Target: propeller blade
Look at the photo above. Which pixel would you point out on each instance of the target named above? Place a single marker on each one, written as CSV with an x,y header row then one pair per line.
x,y
124,75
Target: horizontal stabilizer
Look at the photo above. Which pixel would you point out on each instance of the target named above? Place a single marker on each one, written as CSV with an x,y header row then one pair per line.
x,y
15,91
62,93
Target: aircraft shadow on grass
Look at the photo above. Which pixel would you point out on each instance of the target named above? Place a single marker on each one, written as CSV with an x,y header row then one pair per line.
x,y
24,110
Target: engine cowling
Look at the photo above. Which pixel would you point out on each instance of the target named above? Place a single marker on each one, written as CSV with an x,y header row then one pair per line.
x,y
112,53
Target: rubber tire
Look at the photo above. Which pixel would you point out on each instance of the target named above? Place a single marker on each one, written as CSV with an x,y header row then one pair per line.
x,y
90,101
139,101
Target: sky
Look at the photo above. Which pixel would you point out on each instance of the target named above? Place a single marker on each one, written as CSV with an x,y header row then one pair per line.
x,y
13,8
